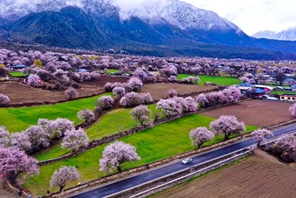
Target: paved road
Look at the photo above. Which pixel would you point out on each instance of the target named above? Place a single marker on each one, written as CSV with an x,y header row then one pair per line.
x,y
145,177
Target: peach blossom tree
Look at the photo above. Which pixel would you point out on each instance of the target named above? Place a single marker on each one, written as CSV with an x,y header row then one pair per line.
x,y
227,125
116,154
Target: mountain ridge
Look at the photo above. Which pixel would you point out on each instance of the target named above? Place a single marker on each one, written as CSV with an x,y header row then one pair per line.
x,y
177,27
284,35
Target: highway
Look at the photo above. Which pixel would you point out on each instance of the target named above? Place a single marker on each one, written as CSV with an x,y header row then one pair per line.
x,y
154,174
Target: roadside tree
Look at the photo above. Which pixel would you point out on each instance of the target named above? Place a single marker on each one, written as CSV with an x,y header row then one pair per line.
x,y
227,125
116,154
200,135
63,175
260,135
292,109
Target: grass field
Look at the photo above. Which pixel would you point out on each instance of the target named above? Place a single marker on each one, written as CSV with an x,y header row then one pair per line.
x,y
111,123
227,81
110,71
153,144
18,119
284,92
17,74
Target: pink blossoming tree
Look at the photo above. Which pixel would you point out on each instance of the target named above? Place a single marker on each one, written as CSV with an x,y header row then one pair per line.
x,y
200,135
228,125
75,139
38,137
63,175
4,136
71,93
141,114
106,102
292,109
20,141
14,162
171,93
116,154
4,100
169,107
87,115
260,135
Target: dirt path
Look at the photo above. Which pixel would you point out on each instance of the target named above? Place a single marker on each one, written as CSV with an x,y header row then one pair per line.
x,y
253,177
5,191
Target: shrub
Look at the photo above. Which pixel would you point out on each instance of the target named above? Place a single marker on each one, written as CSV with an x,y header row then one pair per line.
x,y
106,102
71,93
4,100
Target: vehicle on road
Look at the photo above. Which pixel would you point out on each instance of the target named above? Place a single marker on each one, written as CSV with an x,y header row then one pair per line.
x,y
267,97
186,161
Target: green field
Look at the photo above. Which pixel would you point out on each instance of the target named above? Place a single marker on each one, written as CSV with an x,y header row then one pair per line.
x,y
18,119
227,81
284,92
112,122
159,142
17,74
110,71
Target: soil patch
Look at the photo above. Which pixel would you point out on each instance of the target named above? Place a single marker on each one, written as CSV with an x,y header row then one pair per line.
x,y
5,191
260,113
253,177
20,93
159,90
104,79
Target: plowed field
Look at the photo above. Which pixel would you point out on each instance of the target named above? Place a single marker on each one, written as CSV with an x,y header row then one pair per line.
x,y
253,177
159,90
260,113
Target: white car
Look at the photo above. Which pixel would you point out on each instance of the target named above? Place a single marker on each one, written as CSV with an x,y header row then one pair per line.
x,y
186,161
266,97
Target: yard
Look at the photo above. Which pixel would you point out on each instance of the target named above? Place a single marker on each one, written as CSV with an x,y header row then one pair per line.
x,y
253,177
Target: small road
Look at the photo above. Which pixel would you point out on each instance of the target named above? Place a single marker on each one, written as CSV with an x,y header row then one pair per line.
x,y
157,173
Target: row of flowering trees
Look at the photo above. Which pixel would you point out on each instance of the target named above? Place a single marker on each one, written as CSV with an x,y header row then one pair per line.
x,y
225,124
40,136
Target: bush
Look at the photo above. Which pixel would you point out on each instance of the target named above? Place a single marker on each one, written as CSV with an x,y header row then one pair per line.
x,y
4,100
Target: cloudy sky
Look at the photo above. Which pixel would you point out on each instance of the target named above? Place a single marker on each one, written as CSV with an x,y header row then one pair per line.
x,y
253,15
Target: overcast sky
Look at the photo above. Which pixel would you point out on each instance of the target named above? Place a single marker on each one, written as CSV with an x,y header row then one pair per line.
x,y
253,15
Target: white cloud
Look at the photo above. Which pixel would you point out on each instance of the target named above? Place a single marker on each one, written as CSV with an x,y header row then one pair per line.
x,y
140,8
253,15
76,3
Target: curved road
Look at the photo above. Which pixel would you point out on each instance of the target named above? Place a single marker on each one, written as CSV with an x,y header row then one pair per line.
x,y
145,177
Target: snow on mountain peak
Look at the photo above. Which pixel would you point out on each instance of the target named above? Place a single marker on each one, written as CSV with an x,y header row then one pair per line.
x,y
173,12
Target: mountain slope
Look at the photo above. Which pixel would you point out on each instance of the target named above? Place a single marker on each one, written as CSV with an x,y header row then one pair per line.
x,y
70,27
168,27
285,35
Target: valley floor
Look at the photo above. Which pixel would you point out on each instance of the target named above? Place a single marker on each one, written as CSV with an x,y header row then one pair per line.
x,y
256,176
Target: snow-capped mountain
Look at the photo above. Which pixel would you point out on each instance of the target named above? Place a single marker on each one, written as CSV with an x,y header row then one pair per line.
x,y
173,12
268,34
285,35
93,24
